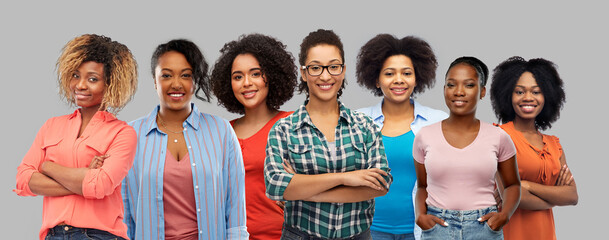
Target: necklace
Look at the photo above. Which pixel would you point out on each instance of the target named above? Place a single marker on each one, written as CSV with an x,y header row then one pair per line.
x,y
166,128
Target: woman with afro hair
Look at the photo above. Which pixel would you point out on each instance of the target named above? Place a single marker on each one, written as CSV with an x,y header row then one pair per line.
x,y
77,161
527,97
326,161
397,69
254,76
187,180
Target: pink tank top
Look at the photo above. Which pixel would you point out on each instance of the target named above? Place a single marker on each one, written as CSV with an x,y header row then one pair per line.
x,y
179,205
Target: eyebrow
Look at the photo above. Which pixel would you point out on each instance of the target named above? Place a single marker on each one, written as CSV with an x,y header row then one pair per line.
x,y
391,68
319,63
251,69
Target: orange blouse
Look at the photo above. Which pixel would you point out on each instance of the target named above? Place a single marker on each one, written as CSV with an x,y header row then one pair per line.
x,y
101,205
535,165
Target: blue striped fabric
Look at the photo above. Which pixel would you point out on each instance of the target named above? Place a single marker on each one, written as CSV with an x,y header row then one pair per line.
x,y
218,178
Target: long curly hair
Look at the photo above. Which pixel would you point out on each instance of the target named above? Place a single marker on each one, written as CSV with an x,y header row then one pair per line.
x,y
276,63
120,69
505,77
375,52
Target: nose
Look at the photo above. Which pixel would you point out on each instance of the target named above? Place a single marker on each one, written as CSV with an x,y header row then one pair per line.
x,y
528,96
175,83
325,74
247,81
81,84
459,91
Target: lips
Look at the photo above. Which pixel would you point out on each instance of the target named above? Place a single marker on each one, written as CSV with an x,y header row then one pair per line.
x,y
459,103
81,96
249,94
176,96
528,108
325,87
399,90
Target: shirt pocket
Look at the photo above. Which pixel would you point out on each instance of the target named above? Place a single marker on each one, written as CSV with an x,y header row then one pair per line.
x,y
356,156
302,159
50,146
93,149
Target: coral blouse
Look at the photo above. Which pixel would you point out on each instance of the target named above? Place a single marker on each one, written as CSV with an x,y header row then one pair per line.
x,y
535,165
100,206
264,217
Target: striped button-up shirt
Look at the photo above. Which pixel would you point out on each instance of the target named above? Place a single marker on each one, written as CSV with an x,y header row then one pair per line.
x,y
217,171
297,140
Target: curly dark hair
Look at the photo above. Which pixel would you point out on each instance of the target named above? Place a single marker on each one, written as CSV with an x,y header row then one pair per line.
x,y
120,68
194,57
373,54
477,64
321,36
276,63
505,77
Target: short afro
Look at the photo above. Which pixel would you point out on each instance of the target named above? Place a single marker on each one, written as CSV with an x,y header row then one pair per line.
x,y
375,52
505,77
120,69
277,65
319,37
193,56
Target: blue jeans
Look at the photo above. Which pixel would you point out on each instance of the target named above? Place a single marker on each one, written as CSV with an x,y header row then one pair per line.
x,y
292,233
462,225
376,235
65,232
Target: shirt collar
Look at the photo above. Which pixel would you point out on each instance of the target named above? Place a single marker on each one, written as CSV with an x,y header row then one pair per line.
x,y
104,116
304,118
191,120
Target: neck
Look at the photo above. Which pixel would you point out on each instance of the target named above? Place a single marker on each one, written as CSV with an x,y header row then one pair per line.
x,y
316,106
259,114
525,125
174,116
87,113
463,121
392,109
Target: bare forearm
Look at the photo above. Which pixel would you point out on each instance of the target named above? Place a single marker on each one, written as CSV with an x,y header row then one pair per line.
x,y
420,205
70,178
555,195
529,201
346,194
511,199
303,186
41,184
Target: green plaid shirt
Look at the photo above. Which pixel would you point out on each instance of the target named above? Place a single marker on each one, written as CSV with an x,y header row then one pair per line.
x,y
358,146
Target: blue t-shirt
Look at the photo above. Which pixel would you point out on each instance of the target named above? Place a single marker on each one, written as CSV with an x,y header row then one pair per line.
x,y
393,213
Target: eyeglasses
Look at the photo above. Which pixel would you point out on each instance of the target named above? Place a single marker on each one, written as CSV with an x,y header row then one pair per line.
x,y
316,70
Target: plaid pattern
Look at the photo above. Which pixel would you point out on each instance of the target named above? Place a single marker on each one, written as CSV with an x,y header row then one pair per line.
x,y
297,140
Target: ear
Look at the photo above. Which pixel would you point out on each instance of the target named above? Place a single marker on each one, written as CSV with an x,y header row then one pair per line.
x,y
482,92
377,83
303,75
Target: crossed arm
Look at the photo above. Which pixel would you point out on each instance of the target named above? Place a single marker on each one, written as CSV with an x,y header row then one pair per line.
x,y
55,180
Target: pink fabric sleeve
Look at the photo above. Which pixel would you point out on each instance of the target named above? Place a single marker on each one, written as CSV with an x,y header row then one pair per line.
x,y
418,152
102,182
31,163
506,147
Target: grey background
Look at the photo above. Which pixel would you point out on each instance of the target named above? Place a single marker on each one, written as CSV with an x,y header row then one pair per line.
x,y
572,34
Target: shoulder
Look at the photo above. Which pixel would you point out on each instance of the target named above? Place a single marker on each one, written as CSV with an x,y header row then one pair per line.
x,y
430,114
213,121
360,119
367,110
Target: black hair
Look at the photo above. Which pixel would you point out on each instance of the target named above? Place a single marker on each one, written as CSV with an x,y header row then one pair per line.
x,y
505,77
477,64
321,36
375,52
194,57
277,65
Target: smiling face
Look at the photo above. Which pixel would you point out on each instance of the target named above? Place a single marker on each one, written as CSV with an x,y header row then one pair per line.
x,y
462,90
88,85
397,79
248,83
527,98
173,81
324,87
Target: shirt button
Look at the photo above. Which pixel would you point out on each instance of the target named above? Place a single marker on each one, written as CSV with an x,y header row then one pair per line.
x,y
200,232
189,147
184,129
197,187
198,209
193,164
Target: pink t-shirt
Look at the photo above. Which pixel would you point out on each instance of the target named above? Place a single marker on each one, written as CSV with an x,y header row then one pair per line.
x,y
462,179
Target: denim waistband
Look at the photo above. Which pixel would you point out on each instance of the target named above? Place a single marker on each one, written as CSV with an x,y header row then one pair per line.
x,y
459,214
